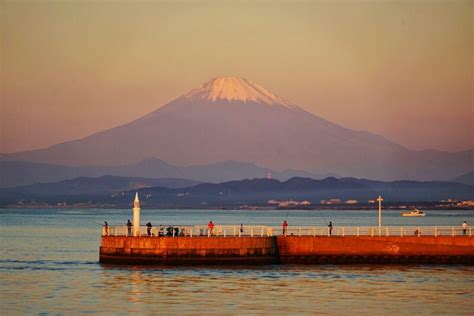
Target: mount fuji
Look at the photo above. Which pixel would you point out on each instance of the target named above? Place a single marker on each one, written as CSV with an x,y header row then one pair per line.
x,y
236,119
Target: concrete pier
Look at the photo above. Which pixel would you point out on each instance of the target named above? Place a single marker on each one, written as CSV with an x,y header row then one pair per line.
x,y
188,250
367,249
289,249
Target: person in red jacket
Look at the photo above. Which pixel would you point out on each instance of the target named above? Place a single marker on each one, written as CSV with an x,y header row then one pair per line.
x,y
210,228
285,226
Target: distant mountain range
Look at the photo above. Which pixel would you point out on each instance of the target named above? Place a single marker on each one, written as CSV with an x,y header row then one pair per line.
x,y
232,119
18,173
118,192
467,178
259,191
97,186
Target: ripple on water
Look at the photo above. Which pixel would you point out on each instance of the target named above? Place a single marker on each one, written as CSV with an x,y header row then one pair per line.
x,y
41,273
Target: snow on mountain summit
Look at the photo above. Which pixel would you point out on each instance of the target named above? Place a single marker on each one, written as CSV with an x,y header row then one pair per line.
x,y
235,89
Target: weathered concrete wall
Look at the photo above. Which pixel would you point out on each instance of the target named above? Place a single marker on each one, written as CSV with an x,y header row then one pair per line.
x,y
411,249
290,249
192,250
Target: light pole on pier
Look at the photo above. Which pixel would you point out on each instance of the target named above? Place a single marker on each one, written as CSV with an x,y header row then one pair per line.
x,y
380,213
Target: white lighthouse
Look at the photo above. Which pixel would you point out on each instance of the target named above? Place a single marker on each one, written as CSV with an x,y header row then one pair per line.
x,y
136,216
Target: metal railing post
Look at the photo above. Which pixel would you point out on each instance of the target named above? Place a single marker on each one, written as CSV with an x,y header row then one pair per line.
x,y
436,231
299,231
452,232
357,231
343,232
251,231
386,232
371,232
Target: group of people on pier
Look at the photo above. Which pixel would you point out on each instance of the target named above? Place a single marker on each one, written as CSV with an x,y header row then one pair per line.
x,y
170,231
176,231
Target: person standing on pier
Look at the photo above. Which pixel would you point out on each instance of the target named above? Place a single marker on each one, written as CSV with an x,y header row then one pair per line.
x,y
148,228
210,228
285,227
330,228
464,228
106,228
129,228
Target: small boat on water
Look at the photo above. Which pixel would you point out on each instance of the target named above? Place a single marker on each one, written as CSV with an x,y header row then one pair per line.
x,y
415,212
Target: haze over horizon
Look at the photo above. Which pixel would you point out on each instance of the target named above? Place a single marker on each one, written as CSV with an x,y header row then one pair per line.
x,y
403,70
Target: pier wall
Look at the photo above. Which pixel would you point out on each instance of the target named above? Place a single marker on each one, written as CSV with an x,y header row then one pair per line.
x,y
188,250
396,249
289,249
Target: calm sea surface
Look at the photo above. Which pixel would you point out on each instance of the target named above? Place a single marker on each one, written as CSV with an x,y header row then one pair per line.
x,y
49,264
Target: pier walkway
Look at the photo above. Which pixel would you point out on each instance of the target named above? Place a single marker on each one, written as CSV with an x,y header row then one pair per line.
x,y
267,231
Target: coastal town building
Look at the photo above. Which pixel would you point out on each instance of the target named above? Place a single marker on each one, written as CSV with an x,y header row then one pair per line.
x,y
465,203
331,202
352,202
289,203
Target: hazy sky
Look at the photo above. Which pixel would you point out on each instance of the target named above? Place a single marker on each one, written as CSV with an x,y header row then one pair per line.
x,y
401,69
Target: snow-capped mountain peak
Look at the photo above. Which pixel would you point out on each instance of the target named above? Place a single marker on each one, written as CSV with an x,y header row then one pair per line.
x,y
235,89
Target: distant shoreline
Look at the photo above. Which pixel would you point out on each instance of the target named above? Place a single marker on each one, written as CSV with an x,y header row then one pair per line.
x,y
407,206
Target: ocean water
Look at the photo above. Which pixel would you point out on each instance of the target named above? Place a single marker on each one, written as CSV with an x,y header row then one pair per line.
x,y
49,265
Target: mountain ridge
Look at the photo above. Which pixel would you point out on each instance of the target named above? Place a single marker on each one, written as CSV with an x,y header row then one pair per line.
x,y
17,173
259,191
237,193
98,185
467,178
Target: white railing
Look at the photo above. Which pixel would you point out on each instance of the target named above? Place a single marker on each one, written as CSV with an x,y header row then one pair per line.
x,y
191,231
375,231
265,231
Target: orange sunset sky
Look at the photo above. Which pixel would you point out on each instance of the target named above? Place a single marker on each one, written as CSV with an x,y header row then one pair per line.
x,y
401,69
